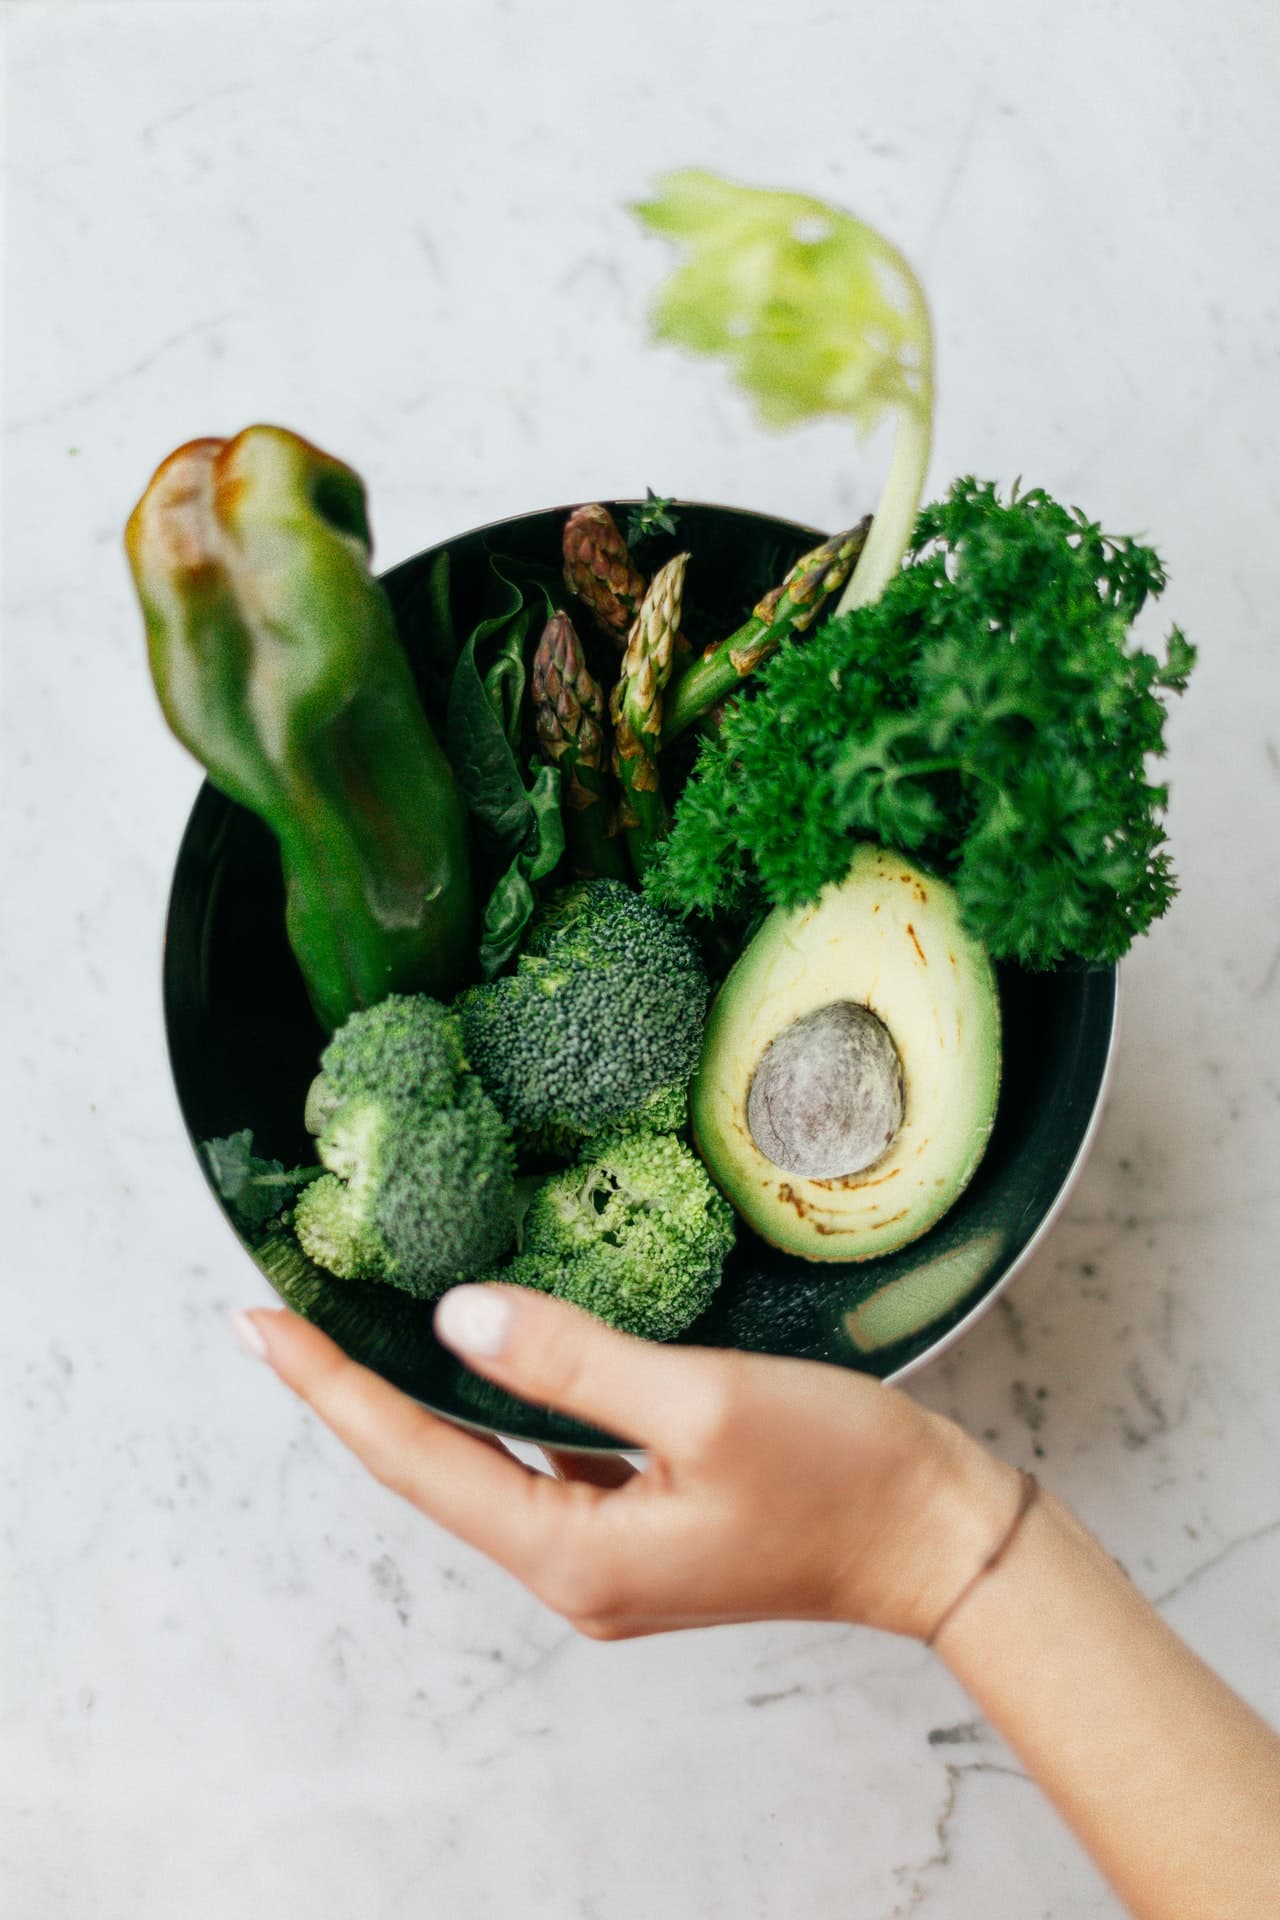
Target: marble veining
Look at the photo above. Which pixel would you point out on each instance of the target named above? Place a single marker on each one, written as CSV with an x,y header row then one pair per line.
x,y
236,1675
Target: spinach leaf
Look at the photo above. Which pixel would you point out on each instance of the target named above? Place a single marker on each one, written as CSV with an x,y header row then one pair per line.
x,y
478,739
504,683
518,820
512,901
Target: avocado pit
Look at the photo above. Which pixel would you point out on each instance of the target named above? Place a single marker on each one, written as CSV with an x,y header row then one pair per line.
x,y
826,1098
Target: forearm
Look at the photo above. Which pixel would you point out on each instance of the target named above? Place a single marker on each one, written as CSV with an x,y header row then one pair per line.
x,y
1168,1779
796,1491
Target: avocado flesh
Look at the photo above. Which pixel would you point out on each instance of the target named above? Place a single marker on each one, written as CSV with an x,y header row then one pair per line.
x,y
888,938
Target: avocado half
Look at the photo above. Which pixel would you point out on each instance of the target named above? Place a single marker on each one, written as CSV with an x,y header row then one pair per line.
x,y
851,1065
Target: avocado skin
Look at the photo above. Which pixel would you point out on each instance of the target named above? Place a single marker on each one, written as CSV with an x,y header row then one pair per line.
x,y
888,937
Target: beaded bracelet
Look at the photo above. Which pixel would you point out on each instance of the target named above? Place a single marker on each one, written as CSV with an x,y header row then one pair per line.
x,y
1026,1500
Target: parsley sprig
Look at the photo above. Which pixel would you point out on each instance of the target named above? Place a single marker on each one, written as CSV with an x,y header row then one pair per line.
x,y
988,713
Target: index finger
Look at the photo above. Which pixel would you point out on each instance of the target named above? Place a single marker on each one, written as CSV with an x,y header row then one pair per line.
x,y
470,1485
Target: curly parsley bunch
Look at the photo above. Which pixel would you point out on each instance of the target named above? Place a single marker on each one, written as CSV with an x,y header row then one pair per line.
x,y
988,713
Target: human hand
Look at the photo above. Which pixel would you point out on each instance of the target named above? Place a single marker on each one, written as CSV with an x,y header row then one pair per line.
x,y
774,1489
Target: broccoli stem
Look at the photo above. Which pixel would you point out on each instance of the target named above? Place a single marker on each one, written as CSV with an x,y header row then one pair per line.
x,y
291,1271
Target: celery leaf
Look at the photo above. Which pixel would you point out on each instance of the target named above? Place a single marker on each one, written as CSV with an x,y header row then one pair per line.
x,y
816,314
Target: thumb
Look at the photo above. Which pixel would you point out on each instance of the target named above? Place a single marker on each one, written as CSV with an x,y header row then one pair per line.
x,y
561,1356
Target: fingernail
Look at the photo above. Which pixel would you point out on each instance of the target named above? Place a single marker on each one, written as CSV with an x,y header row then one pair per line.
x,y
474,1320
248,1334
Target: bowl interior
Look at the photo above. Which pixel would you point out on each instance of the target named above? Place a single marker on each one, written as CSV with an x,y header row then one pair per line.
x,y
243,1046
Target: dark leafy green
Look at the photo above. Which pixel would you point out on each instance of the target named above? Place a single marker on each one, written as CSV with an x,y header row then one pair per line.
x,y
254,1190
987,713
654,515
479,742
513,899
516,812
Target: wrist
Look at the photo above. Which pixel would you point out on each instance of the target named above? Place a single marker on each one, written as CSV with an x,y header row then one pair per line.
x,y
961,1507
1032,1597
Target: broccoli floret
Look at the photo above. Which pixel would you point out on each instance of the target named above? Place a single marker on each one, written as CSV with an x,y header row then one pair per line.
x,y
599,1026
665,1110
405,1048
420,1183
335,1234
635,1233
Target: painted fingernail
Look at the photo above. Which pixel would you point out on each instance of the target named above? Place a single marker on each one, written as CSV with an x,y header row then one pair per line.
x,y
474,1320
247,1333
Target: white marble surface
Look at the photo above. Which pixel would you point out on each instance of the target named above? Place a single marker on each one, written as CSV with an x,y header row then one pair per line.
x,y
237,1677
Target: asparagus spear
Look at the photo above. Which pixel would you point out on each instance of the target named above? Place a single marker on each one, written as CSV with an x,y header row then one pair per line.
x,y
635,708
568,709
598,568
788,608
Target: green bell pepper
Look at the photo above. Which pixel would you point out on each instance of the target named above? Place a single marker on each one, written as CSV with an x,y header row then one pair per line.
x,y
275,655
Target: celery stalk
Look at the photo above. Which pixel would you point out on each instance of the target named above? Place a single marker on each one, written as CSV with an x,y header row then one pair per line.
x,y
815,314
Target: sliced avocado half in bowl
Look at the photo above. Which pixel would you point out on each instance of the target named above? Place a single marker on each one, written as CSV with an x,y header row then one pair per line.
x,y
851,1066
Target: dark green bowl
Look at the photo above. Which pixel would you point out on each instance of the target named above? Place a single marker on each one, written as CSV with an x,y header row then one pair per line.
x,y
243,1045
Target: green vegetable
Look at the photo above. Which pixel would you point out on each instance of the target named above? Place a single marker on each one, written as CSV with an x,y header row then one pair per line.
x,y
406,1050
791,607
987,712
815,314
635,1233
600,1023
420,1183
520,830
653,516
254,1190
635,707
850,1068
569,716
599,570
292,1272
275,656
